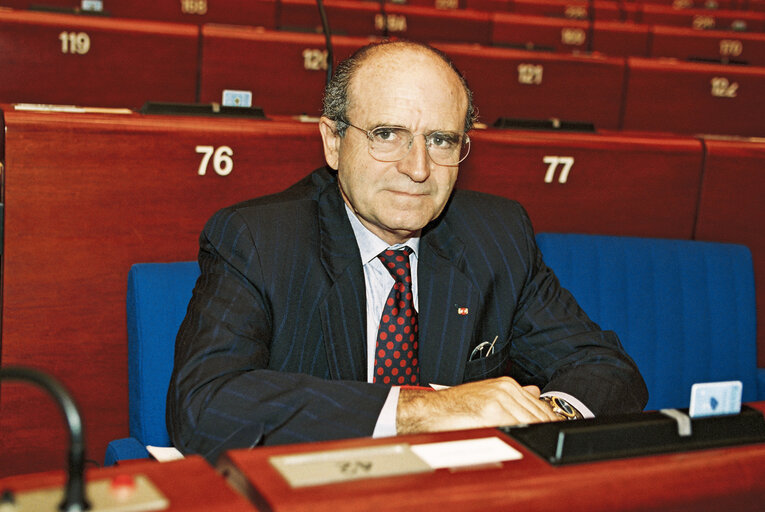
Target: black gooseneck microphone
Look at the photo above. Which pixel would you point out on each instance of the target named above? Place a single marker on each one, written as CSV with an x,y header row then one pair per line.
x,y
327,38
74,494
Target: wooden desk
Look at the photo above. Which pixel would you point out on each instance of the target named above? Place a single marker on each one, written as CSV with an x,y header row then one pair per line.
x,y
609,183
103,62
719,479
190,485
87,195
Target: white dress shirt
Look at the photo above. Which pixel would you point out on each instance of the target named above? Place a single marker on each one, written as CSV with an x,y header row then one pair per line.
x,y
378,283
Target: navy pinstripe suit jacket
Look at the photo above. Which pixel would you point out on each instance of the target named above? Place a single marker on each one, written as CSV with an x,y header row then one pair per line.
x,y
273,349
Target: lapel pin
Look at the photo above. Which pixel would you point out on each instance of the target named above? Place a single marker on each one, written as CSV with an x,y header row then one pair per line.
x,y
462,311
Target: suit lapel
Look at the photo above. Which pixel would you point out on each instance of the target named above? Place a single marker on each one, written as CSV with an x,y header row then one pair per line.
x,y
343,311
448,305
448,300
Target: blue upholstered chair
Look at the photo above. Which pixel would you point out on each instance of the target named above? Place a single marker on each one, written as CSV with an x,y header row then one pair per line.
x,y
157,297
684,310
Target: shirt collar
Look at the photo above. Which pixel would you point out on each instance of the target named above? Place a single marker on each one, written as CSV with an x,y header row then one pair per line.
x,y
370,245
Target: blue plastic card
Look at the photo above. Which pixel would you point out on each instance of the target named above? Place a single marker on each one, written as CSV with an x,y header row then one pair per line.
x,y
237,98
715,398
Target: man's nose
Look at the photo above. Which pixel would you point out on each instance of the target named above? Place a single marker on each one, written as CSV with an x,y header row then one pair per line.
x,y
416,164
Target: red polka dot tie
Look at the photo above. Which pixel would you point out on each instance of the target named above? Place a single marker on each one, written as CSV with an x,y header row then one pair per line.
x,y
396,348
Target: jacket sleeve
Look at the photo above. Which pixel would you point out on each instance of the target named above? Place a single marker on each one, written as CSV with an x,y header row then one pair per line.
x,y
223,392
557,347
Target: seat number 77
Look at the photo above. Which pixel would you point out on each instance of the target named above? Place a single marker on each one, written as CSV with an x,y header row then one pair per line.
x,y
565,162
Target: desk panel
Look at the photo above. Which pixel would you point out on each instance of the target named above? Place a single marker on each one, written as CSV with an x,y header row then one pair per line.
x,y
702,19
540,33
708,480
285,72
86,196
84,60
607,183
619,39
702,98
261,13
190,485
539,85
687,44
732,206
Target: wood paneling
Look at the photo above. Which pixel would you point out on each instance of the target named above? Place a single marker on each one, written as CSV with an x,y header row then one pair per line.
x,y
86,196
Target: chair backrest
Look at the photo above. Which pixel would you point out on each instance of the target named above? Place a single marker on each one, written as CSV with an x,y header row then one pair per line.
x,y
684,310
157,297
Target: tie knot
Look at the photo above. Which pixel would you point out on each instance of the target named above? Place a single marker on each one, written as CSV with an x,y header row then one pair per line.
x,y
397,263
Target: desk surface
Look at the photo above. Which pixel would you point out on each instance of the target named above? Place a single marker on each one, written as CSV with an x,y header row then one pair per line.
x,y
190,485
719,479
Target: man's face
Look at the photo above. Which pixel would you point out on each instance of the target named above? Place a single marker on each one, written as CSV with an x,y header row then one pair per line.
x,y
399,88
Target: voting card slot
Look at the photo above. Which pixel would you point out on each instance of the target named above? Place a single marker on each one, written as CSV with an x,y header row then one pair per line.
x,y
632,435
201,109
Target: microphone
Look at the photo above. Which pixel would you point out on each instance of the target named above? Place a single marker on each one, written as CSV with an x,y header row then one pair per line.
x,y
327,38
384,15
74,495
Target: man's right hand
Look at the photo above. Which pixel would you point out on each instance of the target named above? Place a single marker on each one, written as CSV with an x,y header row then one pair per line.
x,y
486,403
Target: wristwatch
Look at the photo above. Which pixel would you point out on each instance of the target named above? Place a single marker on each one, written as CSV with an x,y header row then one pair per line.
x,y
562,408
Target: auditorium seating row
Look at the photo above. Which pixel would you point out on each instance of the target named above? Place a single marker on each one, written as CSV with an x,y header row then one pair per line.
x,y
478,25
66,59
87,194
698,14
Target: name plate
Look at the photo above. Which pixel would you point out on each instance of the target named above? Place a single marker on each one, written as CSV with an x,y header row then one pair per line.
x,y
333,466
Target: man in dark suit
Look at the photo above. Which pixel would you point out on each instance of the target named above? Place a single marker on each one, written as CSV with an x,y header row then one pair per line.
x,y
315,304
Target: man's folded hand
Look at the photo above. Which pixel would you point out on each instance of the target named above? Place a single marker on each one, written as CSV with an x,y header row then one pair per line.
x,y
486,403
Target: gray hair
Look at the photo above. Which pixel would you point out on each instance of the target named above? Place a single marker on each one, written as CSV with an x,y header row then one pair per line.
x,y
335,105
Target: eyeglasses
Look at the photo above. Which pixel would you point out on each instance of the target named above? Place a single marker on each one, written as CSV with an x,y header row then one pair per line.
x,y
391,144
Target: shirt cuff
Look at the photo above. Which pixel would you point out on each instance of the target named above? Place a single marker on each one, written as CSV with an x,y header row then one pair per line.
x,y
579,406
386,421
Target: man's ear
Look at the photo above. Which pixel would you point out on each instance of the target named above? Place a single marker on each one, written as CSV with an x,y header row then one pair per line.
x,y
331,140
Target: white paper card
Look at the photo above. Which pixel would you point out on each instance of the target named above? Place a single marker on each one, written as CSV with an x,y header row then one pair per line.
x,y
469,452
164,453
317,468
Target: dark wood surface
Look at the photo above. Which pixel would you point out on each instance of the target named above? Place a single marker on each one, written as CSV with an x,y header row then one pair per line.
x,y
706,480
190,485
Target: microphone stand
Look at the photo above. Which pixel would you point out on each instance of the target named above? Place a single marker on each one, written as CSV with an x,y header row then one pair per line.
x,y
327,38
74,495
